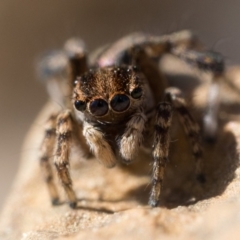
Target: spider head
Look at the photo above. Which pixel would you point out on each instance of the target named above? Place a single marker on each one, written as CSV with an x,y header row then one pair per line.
x,y
109,94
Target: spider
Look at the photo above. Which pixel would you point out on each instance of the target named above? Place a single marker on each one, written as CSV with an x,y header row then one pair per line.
x,y
120,103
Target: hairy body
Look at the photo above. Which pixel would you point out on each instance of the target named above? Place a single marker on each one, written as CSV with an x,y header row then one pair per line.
x,y
121,103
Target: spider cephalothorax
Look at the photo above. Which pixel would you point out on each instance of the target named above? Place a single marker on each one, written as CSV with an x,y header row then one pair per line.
x,y
109,94
120,104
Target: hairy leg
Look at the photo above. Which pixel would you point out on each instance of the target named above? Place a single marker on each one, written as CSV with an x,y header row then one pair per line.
x,y
61,159
46,155
160,149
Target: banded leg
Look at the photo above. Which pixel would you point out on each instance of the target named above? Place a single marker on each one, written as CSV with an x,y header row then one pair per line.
x,y
61,160
120,52
47,148
190,126
160,149
99,146
133,137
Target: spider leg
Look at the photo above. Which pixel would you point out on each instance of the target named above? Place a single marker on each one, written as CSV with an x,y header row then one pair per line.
x,y
160,149
47,148
132,138
77,64
213,62
190,126
77,56
185,46
61,159
98,145
210,118
120,52
60,69
63,136
52,70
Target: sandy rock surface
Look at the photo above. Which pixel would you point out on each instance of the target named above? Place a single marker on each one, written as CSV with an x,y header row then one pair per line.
x,y
113,202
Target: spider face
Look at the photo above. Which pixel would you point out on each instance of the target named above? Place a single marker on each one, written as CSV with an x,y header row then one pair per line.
x,y
109,94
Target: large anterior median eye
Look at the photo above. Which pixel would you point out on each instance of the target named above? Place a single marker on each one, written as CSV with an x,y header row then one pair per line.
x,y
120,102
98,107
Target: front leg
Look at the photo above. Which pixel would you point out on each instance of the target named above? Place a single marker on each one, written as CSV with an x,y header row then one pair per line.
x,y
160,149
133,137
98,145
61,160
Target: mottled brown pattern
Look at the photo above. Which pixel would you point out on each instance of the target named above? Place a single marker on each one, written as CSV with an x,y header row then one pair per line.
x,y
104,83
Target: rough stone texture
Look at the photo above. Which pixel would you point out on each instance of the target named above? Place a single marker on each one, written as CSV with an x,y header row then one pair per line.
x,y
113,202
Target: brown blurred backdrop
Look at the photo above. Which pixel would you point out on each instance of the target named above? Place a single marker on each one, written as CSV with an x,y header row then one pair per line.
x,y
28,28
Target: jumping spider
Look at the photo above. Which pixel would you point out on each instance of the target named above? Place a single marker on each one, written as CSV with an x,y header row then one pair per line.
x,y
121,103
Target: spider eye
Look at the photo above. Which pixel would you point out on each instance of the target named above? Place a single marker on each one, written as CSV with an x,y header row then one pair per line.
x,y
136,93
80,105
98,107
120,102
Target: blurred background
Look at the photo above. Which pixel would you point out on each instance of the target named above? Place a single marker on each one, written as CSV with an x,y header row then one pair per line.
x,y
29,28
